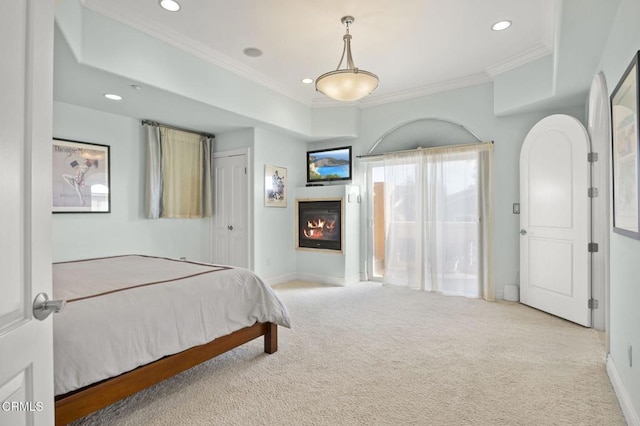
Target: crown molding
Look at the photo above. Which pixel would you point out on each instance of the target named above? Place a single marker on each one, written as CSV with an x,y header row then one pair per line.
x,y
444,86
199,50
536,52
373,100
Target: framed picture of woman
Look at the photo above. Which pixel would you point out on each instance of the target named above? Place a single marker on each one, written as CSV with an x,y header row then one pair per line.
x,y
81,177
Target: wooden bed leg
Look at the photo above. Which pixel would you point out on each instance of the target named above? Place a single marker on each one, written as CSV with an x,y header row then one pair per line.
x,y
271,338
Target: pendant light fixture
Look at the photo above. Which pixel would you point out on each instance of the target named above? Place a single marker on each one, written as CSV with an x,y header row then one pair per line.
x,y
347,84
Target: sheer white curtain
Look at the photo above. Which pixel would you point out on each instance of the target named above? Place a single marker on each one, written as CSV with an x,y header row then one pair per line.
x,y
404,218
439,220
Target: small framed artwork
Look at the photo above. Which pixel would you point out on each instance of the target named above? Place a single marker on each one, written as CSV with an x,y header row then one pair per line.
x,y
81,177
275,186
624,152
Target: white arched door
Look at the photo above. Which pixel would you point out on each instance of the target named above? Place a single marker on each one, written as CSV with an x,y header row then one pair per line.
x,y
555,219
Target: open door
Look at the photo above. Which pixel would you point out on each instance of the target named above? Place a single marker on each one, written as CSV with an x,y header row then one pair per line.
x,y
598,126
26,74
555,269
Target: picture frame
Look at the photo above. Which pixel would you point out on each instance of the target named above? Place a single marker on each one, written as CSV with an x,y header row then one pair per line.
x,y
625,148
81,177
275,186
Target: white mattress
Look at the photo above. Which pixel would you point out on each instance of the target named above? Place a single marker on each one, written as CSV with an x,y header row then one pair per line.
x,y
127,311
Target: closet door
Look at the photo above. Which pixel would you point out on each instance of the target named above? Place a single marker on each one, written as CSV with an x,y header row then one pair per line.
x,y
230,210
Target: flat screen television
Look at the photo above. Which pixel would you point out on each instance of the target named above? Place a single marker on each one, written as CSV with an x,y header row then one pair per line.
x,y
325,165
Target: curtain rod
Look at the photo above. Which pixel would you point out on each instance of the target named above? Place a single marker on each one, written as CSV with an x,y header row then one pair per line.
x,y
420,148
156,124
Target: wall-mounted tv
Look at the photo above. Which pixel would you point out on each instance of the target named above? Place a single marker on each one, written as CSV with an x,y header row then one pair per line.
x,y
325,165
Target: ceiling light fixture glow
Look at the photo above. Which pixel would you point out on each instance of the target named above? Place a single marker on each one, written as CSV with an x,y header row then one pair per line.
x,y
113,96
170,5
307,80
501,25
351,83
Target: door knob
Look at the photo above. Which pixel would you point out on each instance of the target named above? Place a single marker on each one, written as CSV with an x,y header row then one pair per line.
x,y
523,231
230,227
42,306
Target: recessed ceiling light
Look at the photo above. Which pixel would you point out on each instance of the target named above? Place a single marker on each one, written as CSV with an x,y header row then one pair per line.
x,y
307,80
113,96
253,52
170,5
501,25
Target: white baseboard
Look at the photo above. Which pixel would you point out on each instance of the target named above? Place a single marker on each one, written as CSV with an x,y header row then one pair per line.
x,y
279,279
630,414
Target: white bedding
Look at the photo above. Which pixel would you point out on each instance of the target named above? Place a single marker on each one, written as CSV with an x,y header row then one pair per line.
x,y
127,311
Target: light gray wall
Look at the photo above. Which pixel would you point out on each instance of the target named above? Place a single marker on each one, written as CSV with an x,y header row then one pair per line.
x,y
237,139
124,230
473,108
623,43
274,227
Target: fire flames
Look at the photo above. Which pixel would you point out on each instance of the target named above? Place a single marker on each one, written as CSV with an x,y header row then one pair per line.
x,y
319,228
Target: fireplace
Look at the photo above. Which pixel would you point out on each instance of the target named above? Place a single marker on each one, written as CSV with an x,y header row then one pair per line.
x,y
320,224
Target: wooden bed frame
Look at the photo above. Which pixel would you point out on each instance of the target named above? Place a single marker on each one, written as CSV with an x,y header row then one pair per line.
x,y
79,403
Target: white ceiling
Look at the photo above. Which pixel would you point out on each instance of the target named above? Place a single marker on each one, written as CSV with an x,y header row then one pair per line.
x,y
414,46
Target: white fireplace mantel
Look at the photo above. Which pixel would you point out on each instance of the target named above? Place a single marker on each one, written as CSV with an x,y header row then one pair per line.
x,y
337,267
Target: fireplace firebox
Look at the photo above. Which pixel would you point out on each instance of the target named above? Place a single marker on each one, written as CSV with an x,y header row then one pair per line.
x,y
320,224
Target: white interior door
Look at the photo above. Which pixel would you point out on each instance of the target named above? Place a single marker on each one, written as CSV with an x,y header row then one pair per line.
x,y
598,126
26,352
555,219
230,211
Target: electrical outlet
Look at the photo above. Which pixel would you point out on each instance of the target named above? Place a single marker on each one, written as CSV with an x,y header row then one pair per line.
x,y
516,208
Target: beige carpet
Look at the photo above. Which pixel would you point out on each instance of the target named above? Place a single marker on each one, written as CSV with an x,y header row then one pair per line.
x,y
372,355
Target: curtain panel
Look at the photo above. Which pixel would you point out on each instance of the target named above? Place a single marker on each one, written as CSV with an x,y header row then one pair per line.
x,y
179,180
153,189
439,220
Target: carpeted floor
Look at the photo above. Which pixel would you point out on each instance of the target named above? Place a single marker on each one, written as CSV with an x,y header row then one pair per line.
x,y
372,355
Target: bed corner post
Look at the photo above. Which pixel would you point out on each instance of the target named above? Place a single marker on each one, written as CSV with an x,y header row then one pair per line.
x,y
271,338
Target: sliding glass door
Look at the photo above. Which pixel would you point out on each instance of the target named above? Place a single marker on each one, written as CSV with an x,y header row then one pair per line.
x,y
376,232
425,227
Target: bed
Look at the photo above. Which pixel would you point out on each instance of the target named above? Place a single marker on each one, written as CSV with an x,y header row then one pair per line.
x,y
131,321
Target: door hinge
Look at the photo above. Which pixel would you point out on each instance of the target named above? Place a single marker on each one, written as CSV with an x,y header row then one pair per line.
x,y
592,192
245,170
592,157
592,303
593,247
